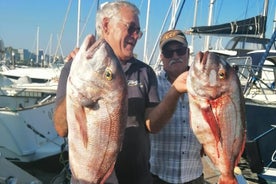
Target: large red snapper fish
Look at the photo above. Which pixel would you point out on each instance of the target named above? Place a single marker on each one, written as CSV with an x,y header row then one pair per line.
x,y
217,112
96,112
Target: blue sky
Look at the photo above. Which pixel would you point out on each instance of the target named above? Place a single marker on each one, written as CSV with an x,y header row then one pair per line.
x,y
20,19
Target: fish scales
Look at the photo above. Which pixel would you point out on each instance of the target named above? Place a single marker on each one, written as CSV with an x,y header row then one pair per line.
x,y
96,105
217,112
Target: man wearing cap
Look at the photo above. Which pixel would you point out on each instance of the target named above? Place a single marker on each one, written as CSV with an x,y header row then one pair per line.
x,y
175,151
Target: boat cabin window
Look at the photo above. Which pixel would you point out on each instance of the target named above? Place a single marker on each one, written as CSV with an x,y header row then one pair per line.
x,y
248,43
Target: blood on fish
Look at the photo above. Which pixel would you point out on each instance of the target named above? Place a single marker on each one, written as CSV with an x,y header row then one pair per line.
x,y
217,114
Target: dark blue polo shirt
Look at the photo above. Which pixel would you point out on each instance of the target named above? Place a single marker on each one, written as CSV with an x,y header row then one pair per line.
x,y
132,166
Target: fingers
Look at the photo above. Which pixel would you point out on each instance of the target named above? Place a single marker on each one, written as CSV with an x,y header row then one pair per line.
x,y
72,55
74,52
91,41
180,82
88,42
86,45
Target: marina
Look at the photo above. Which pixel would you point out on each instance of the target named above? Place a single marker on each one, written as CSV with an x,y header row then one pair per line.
x,y
32,152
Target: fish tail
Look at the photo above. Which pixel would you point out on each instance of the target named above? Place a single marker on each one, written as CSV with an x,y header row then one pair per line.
x,y
109,176
242,150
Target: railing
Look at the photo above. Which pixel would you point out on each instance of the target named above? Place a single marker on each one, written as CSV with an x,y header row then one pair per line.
x,y
254,74
264,80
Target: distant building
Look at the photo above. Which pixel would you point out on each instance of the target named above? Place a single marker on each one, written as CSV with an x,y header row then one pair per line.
x,y
11,56
24,55
2,49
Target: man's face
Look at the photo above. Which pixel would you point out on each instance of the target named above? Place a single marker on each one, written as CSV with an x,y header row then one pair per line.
x,y
123,33
175,57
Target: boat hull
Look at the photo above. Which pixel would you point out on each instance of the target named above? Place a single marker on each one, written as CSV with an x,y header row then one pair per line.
x,y
261,133
28,134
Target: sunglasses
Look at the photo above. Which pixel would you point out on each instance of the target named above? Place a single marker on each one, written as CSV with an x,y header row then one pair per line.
x,y
131,28
169,53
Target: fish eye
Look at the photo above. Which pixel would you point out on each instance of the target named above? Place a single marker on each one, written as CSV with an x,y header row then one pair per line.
x,y
108,74
221,74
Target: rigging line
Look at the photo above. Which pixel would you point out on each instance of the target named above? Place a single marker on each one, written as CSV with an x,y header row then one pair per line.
x,y
253,77
161,30
31,54
62,29
78,24
219,10
268,47
40,134
87,18
173,14
141,3
48,46
245,14
97,8
60,48
179,13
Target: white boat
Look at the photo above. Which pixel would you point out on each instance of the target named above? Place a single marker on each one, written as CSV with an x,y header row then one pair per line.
x,y
26,126
36,74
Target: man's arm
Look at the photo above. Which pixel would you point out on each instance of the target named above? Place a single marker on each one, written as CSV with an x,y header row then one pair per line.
x,y
156,118
60,120
59,116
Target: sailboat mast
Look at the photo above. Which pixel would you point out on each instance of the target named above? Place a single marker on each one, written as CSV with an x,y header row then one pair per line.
x,y
78,25
266,2
37,44
194,24
50,48
274,27
210,16
146,35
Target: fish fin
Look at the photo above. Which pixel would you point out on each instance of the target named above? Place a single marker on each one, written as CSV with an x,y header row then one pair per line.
x,y
81,118
90,102
212,121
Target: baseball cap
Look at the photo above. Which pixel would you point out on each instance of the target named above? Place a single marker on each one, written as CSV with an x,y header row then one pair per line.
x,y
173,35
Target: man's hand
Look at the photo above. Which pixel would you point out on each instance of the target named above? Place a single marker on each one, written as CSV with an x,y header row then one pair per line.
x,y
72,55
180,82
89,41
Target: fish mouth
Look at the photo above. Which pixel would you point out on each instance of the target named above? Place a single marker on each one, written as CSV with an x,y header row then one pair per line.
x,y
201,57
204,57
